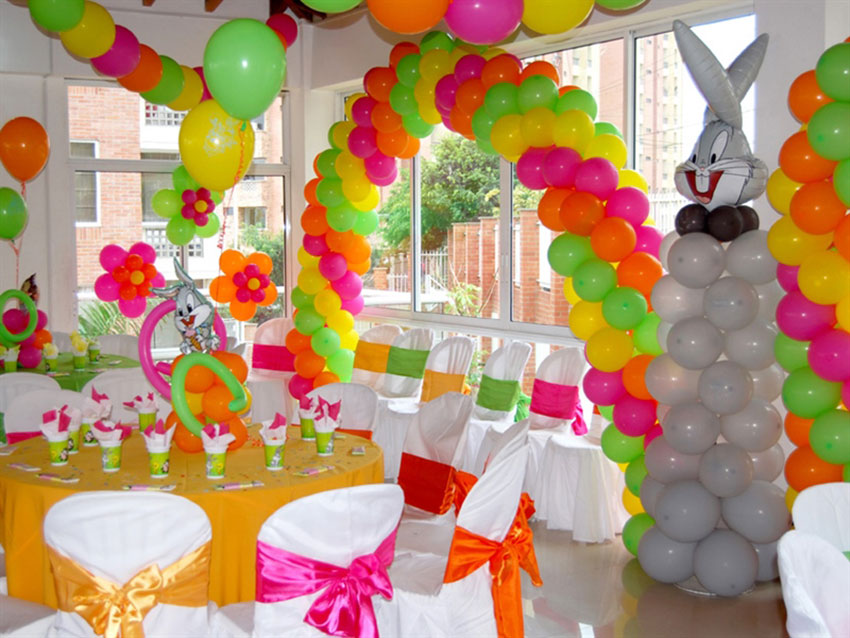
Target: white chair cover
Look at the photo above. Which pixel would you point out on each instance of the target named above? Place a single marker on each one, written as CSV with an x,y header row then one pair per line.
x,y
498,444
824,510
270,333
270,388
123,385
24,414
62,340
23,619
114,535
815,586
506,363
385,334
395,385
124,345
359,404
14,385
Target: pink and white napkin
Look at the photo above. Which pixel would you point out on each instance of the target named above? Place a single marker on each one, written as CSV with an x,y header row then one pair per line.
x,y
142,404
274,433
216,437
54,425
157,437
74,415
308,407
328,416
96,407
107,432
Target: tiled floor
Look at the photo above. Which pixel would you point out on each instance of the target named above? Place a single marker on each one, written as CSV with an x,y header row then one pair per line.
x,y
600,591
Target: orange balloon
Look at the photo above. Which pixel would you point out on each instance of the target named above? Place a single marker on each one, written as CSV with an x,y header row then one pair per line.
x,y
549,207
316,170
639,271
231,261
184,439
567,88
310,191
198,379
308,364
541,67
314,220
470,96
297,342
358,250
384,119
338,241
580,213
261,260
841,238
502,68
816,209
805,96
801,163
237,429
804,468
401,50
408,16
361,268
42,337
411,149
797,428
378,83
215,403
24,148
633,376
392,143
325,378
235,363
613,239
147,73
461,122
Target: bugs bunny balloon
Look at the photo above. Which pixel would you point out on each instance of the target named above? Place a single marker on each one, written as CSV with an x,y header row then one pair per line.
x,y
194,314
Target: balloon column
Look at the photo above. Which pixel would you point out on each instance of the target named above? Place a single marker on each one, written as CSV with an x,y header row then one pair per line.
x,y
811,189
711,509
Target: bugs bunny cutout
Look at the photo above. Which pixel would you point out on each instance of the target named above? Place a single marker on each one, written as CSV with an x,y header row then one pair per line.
x,y
721,170
194,314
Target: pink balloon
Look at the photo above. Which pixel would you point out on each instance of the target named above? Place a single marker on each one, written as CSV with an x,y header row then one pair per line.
x,y
29,341
603,388
285,26
123,56
484,21
628,203
560,166
158,281
650,436
362,141
315,245
29,357
802,319
42,320
348,286
598,176
355,305
444,92
787,277
106,288
112,256
15,320
447,121
829,355
332,266
299,386
380,165
145,251
529,168
206,95
469,67
633,416
361,111
648,240
134,307
385,180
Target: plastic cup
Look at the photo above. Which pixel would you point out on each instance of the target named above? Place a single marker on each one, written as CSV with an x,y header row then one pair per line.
x,y
52,364
87,436
274,456
10,366
94,354
159,464
73,441
58,452
80,362
110,456
325,443
308,430
146,419
215,464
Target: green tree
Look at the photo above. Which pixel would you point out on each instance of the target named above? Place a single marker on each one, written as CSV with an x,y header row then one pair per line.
x,y
272,244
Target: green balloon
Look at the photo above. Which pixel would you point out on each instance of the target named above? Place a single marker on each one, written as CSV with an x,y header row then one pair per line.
x,y
416,126
331,134
634,529
829,436
210,228
341,363
537,91
178,385
332,6
308,321
646,335
407,70
606,128
634,579
326,162
567,252
790,353
841,181
342,218
621,448
183,181
8,339
436,40
577,99
367,223
13,214
482,124
329,192
501,99
607,411
619,5
166,203
301,299
170,84
244,67
635,473
485,146
180,230
833,72
845,473
807,395
829,131
593,279
324,342
624,308
57,15
403,100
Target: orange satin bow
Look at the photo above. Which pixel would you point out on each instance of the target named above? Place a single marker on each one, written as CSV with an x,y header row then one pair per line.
x,y
113,610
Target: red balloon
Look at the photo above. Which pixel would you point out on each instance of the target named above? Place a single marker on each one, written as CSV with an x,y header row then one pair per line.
x,y
24,148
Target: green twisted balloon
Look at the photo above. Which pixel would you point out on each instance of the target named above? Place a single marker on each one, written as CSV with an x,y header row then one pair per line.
x,y
7,338
178,388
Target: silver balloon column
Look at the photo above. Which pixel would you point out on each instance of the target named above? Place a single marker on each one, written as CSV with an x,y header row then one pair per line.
x,y
709,485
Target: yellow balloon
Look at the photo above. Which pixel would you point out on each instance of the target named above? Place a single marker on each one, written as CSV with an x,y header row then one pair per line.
x,y
94,34
430,114
570,292
555,16
628,177
435,64
842,313
341,132
632,503
348,165
628,603
215,148
341,322
790,497
195,401
586,319
824,277
370,202
489,54
790,245
538,126
193,91
780,190
609,349
573,129
610,147
506,136
356,189
349,341
349,103
326,302
310,280
306,259
424,93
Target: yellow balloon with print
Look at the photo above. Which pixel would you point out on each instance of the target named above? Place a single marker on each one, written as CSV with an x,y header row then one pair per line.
x,y
310,280
506,137
609,349
610,147
573,129
586,319
780,190
824,277
790,246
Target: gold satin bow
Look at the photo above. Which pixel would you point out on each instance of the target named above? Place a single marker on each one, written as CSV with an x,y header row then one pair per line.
x,y
112,610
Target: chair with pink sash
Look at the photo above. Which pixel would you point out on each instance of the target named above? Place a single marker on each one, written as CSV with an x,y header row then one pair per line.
x,y
129,564
272,366
359,406
322,569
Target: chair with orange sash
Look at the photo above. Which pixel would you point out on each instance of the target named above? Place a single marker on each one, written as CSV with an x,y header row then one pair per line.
x,y
129,564
359,406
272,366
370,356
406,362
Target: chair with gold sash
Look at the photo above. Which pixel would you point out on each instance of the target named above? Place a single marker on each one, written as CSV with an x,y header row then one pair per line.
x,y
359,406
370,356
322,569
272,366
129,564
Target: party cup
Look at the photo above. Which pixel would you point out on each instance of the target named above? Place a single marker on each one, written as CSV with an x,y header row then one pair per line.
x,y
308,431
146,419
215,464
87,436
58,452
274,456
10,366
159,464
110,455
52,364
94,353
74,441
325,443
80,361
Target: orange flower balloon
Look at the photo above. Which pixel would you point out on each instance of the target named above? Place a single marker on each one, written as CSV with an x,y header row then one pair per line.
x,y
245,284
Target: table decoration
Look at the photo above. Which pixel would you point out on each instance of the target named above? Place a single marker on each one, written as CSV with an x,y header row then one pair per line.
x,y
24,467
54,426
7,450
238,486
75,416
94,350
95,408
138,487
216,438
158,443
51,356
110,436
10,358
146,407
325,424
308,408
79,350
55,478
274,441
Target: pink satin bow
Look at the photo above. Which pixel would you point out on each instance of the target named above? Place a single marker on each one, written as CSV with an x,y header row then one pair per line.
x,y
328,409
96,396
344,608
560,401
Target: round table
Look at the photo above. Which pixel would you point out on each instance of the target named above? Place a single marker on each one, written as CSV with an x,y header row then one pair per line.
x,y
236,515
70,379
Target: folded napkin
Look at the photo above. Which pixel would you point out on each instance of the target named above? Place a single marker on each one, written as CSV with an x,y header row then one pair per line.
x,y
108,433
308,407
74,415
79,346
157,438
11,354
97,407
274,433
216,438
54,425
142,404
328,417
50,351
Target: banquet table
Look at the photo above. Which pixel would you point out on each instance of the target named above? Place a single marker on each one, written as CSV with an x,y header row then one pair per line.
x,y
70,379
236,515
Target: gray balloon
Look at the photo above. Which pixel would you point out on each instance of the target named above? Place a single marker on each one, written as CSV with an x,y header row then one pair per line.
x,y
673,302
666,465
768,564
725,563
767,383
662,332
756,428
696,260
690,428
686,511
749,258
664,559
726,470
649,491
768,465
759,514
769,294
664,248
725,387
730,303
695,343
670,383
661,411
752,345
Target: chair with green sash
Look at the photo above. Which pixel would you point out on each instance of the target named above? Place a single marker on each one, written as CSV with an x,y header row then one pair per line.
x,y
406,363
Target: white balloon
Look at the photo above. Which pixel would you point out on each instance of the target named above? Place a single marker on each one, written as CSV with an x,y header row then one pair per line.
x,y
673,302
649,491
696,260
768,465
770,294
686,511
759,514
767,383
752,345
730,303
725,387
664,248
768,564
695,343
664,559
670,383
662,331
726,470
661,411
690,428
725,563
756,428
666,465
749,258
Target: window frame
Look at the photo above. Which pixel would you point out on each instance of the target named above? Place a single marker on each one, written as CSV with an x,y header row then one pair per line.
x,y
72,160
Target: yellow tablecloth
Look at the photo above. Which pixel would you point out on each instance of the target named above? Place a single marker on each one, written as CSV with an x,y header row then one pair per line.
x,y
236,516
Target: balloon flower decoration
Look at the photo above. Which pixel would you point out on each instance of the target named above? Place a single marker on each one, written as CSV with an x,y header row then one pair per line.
x,y
811,189
188,207
129,278
17,329
245,284
713,516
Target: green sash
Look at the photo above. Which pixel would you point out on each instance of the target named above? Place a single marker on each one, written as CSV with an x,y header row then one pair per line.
x,y
498,394
407,363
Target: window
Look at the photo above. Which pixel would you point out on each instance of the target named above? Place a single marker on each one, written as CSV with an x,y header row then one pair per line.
x,y
85,185
252,216
159,115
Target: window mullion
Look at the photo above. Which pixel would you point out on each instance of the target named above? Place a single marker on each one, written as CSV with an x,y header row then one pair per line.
x,y
630,106
415,233
506,214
